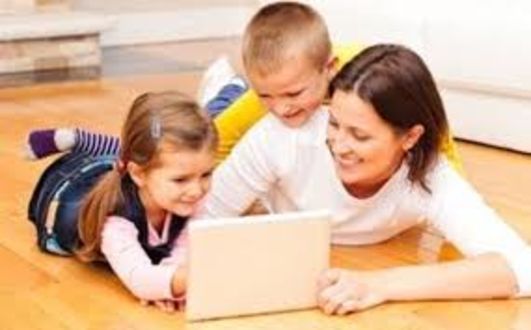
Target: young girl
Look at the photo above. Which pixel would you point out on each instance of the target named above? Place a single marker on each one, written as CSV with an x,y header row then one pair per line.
x,y
133,215
386,125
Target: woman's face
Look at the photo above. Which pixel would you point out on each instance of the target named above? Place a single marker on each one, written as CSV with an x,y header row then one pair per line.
x,y
366,149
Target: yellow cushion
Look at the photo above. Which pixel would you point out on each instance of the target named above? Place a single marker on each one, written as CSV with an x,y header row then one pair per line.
x,y
449,148
345,53
233,122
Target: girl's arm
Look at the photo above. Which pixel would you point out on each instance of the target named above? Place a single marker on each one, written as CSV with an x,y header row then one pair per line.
x,y
178,256
178,283
134,268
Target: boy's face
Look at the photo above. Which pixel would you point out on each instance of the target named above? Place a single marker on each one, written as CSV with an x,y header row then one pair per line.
x,y
293,92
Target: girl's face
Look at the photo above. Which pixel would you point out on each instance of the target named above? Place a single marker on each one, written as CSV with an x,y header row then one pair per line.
x,y
177,183
366,149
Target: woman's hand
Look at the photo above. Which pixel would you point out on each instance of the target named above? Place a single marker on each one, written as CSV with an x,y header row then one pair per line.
x,y
342,291
485,276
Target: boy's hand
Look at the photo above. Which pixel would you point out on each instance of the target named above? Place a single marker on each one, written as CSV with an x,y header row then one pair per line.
x,y
341,291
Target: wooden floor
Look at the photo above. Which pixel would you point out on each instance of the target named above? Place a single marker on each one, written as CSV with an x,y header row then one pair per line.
x,y
39,291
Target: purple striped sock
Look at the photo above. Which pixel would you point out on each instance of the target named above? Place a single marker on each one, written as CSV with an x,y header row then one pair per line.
x,y
42,142
96,144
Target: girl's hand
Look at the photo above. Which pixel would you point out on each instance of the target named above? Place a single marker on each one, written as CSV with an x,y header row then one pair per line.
x,y
341,291
168,306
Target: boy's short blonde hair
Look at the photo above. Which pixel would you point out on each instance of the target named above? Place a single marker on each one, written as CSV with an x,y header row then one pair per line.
x,y
282,31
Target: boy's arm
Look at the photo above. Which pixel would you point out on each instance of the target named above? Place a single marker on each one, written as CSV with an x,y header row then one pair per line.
x,y
247,174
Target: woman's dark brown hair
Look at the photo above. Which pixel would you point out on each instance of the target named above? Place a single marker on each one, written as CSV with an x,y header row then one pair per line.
x,y
399,86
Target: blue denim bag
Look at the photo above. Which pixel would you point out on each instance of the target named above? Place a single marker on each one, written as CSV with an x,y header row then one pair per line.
x,y
55,203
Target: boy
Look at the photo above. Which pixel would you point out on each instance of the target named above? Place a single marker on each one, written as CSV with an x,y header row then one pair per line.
x,y
287,56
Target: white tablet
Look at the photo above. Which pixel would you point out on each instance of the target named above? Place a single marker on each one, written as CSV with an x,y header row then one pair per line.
x,y
255,264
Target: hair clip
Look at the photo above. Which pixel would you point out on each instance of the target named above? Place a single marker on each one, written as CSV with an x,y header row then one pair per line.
x,y
156,127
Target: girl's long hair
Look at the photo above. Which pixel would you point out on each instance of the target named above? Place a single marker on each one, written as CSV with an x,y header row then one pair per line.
x,y
154,119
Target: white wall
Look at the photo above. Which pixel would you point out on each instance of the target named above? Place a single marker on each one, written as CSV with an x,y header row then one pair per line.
x,y
478,51
459,39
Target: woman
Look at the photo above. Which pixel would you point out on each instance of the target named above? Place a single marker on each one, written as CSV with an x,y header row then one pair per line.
x,y
386,125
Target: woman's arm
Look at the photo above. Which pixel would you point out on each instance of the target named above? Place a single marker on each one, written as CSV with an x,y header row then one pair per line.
x,y
485,276
460,213
497,261
482,277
